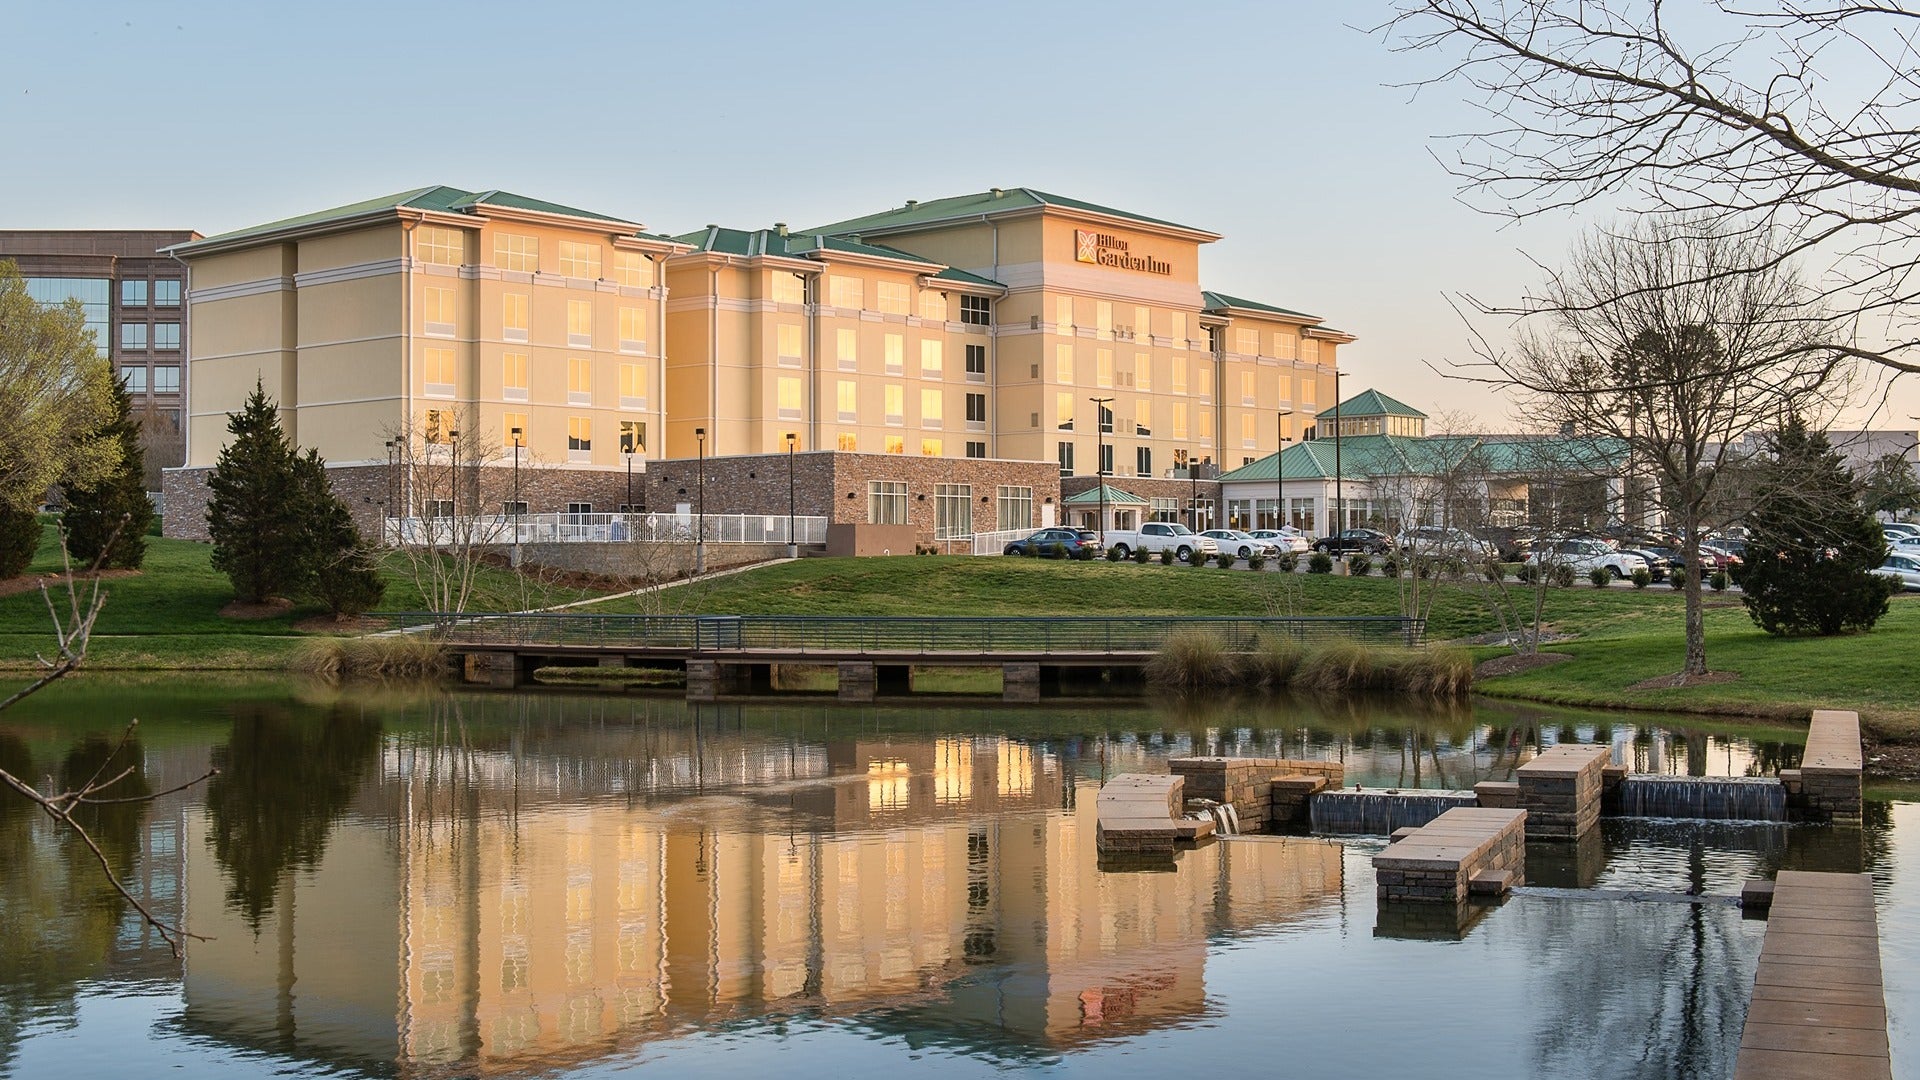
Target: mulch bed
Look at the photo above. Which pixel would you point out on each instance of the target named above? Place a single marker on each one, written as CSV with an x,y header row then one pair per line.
x,y
1515,663
274,607
1892,761
1677,680
31,582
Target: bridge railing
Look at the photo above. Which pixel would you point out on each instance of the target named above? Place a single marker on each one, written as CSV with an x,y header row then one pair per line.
x,y
802,634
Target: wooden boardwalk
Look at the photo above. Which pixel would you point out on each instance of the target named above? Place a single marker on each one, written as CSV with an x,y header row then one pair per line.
x,y
1818,1008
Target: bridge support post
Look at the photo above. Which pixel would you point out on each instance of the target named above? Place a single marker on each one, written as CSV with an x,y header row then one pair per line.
x,y
708,679
1020,682
499,670
858,680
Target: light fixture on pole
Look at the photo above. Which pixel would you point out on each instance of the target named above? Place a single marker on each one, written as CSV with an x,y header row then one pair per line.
x,y
388,529
519,436
1339,474
626,450
700,488
453,501
793,542
1279,472
1101,422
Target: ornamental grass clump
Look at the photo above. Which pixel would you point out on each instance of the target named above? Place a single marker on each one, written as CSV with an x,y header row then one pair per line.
x,y
1337,667
382,656
1270,664
1191,660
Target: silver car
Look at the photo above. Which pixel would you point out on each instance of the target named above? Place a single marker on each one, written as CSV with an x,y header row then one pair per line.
x,y
1239,544
1903,568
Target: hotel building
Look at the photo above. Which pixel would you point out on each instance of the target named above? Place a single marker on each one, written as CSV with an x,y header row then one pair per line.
x,y
996,351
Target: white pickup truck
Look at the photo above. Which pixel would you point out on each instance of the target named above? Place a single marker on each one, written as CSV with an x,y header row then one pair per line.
x,y
1158,536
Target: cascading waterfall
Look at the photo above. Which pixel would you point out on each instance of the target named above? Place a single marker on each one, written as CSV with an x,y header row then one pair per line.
x,y
1724,798
1350,813
1226,820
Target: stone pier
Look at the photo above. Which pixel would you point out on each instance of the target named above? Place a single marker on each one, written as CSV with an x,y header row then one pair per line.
x,y
1467,849
1138,814
1818,1007
1828,784
1248,783
858,680
1020,682
1560,791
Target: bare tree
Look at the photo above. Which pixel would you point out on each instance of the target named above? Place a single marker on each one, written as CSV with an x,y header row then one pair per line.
x,y
162,443
1645,338
451,485
1766,118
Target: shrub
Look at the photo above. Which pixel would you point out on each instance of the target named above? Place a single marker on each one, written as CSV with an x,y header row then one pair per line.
x,y
1166,556
1256,560
106,522
19,537
1642,578
1270,664
1495,570
1600,576
1422,567
1320,563
1390,566
1113,554
1289,562
1359,565
1677,578
1141,555
1196,557
1563,575
1191,660
1719,581
1453,566
1225,559
1525,573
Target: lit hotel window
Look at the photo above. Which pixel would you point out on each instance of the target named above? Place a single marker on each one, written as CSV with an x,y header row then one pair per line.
x,y
520,253
579,260
440,246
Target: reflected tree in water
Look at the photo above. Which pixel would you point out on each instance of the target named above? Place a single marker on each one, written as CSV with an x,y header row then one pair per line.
x,y
284,779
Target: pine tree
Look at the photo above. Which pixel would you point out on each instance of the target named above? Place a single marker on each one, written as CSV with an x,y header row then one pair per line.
x,y
107,520
1811,546
346,574
255,517
19,538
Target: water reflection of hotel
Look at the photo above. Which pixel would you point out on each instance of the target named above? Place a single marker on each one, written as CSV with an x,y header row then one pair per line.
x,y
948,884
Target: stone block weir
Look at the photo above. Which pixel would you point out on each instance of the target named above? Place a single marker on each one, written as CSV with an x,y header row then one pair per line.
x,y
1139,814
1439,862
1818,1008
1349,813
1735,798
1560,790
1830,777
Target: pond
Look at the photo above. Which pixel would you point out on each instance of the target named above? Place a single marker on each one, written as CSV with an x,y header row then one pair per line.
x,y
424,883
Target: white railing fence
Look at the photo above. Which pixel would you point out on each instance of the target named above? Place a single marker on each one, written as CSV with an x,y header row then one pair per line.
x,y
993,543
603,529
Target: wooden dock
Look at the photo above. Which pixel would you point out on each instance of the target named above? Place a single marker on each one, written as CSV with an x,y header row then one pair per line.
x,y
1818,1006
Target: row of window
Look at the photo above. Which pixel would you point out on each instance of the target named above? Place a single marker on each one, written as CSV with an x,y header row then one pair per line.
x,y
888,503
439,370
160,335
846,353
1142,459
141,293
165,379
438,313
517,428
891,298
511,251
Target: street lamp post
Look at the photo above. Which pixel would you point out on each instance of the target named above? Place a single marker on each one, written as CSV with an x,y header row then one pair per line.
x,y
627,519
700,502
519,436
1279,473
389,531
1100,458
793,542
453,487
1339,475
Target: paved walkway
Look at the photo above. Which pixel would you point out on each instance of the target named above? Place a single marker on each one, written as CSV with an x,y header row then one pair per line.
x,y
1818,1009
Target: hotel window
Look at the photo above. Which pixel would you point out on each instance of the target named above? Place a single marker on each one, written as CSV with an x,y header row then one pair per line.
x,y
787,344
633,437
846,293
1013,508
437,311
886,502
1106,418
513,376
513,316
1106,459
1142,322
1203,425
166,335
787,389
133,335
932,360
441,246
977,363
438,425
513,252
1103,368
1063,364
1285,387
976,449
1066,459
896,444
579,438
894,298
580,323
1178,384
846,349
1204,381
1103,318
579,260
439,372
896,354
1063,412
135,379
788,288
1248,388
1309,392
1310,350
847,400
932,408
953,511
933,305
1143,371
633,386
847,442
1143,417
133,294
166,379
895,399
1063,315
1285,345
579,380
1161,508
1246,342
633,329
632,269
1179,419
976,311
514,424
1143,461
166,294
976,410
1179,329
929,447
1247,436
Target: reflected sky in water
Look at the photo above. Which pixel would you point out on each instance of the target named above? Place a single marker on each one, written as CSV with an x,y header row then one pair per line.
x,y
423,884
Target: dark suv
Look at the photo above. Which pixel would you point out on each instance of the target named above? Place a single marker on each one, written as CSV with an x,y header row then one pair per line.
x,y
1365,541
1059,543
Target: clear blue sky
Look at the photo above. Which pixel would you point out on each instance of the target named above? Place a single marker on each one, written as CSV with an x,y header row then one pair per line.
x,y
1277,124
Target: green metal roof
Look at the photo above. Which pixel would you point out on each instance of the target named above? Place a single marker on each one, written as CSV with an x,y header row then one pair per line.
x,y
438,198
1213,301
1364,456
1114,497
539,206
749,243
1005,201
1371,403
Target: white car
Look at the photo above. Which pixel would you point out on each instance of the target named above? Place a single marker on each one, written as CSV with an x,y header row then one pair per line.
x,y
1239,544
1434,540
1584,556
1903,568
1286,538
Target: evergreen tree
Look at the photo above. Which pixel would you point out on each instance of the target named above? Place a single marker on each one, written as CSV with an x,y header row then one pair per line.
x,y
1811,546
19,538
346,575
107,520
255,517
